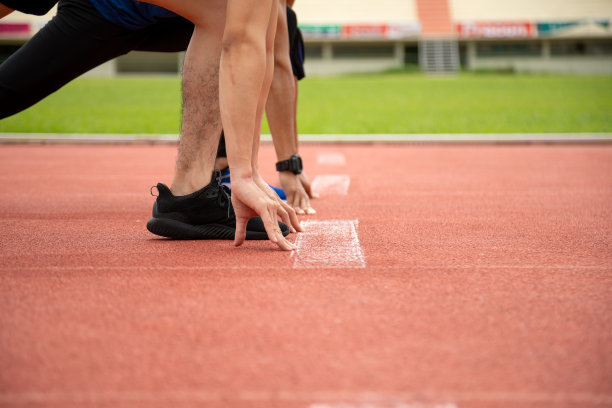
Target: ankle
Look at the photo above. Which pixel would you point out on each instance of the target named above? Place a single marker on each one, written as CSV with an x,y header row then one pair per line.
x,y
187,184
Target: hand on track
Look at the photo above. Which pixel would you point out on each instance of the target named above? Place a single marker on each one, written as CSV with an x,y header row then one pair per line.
x,y
297,195
292,220
249,200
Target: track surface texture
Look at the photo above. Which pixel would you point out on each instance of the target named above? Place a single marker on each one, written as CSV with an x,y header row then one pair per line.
x,y
438,277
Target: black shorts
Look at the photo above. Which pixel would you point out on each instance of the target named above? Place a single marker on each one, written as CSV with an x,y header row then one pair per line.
x,y
296,45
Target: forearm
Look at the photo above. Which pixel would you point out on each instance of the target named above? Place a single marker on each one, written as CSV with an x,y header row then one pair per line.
x,y
249,33
241,77
269,73
281,104
280,111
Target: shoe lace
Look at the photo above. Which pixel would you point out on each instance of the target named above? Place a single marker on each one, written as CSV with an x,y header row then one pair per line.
x,y
223,198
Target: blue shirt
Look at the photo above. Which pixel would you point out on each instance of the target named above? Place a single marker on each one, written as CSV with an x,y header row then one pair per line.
x,y
130,13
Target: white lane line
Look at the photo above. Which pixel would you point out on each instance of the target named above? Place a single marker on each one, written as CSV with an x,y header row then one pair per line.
x,y
334,159
331,184
329,244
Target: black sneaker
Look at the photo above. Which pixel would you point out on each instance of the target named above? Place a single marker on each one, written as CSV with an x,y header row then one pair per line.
x,y
206,214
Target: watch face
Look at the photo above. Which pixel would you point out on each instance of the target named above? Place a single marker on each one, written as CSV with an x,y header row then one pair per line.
x,y
293,164
296,164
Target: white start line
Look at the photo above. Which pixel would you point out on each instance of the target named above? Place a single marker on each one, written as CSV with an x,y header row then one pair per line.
x,y
328,184
332,159
329,244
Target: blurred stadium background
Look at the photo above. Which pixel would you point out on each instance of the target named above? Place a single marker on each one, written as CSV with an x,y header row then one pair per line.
x,y
439,36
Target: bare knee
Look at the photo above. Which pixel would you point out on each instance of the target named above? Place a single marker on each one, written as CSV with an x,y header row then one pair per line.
x,y
235,39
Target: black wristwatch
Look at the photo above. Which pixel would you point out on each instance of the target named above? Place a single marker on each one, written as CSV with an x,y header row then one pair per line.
x,y
294,165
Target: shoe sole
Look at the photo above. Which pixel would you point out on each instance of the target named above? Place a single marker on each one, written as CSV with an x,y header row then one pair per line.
x,y
179,230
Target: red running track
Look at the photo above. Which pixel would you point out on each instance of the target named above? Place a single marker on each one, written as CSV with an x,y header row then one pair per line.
x,y
487,283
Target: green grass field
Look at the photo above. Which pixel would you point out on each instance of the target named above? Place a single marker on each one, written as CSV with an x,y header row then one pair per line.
x,y
381,103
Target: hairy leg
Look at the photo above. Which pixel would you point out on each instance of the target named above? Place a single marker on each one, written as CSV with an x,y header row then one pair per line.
x,y
201,124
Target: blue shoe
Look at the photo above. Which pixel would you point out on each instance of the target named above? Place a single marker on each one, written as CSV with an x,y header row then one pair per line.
x,y
225,181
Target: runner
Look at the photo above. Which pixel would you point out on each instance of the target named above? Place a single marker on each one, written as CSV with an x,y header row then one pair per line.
x,y
122,35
